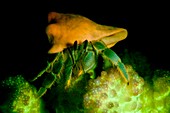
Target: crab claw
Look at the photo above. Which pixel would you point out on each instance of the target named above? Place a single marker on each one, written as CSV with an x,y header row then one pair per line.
x,y
68,28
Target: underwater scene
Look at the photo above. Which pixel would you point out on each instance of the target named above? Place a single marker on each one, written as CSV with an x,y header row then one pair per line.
x,y
87,67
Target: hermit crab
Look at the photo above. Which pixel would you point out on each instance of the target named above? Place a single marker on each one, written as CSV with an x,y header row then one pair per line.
x,y
80,46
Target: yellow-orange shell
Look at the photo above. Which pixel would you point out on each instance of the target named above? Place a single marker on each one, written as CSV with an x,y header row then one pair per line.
x,y
68,28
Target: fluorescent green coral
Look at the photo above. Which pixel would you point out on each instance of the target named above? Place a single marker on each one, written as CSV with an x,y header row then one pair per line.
x,y
22,97
156,96
110,94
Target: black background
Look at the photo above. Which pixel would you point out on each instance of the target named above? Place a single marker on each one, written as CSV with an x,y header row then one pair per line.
x,y
24,44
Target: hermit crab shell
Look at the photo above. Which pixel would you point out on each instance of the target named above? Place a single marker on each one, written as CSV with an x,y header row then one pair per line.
x,y
68,28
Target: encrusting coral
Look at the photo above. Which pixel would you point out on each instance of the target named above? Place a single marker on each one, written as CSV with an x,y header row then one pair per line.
x,y
109,94
22,98
156,96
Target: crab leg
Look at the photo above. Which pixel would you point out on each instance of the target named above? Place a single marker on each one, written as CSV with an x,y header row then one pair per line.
x,y
115,60
41,73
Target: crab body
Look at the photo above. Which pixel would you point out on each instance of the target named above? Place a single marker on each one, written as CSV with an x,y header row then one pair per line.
x,y
82,50
70,65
